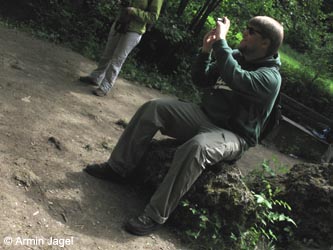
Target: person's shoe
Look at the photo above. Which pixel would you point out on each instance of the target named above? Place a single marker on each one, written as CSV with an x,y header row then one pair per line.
x,y
141,225
99,92
89,80
104,171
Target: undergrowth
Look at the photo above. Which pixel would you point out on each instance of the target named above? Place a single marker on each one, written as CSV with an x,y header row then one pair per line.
x,y
271,222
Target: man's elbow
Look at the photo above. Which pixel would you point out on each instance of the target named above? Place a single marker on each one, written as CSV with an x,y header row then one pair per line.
x,y
153,18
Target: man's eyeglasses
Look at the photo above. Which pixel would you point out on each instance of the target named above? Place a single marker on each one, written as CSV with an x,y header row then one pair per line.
x,y
252,31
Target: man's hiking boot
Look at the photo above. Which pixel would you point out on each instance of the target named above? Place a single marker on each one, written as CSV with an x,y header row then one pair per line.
x,y
142,225
99,92
104,171
89,80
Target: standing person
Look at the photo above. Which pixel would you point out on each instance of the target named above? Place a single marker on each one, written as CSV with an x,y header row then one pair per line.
x,y
240,90
125,34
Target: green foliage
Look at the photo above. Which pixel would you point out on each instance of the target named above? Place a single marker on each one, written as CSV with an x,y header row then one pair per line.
x,y
147,76
304,16
178,84
207,228
323,64
172,28
266,217
81,25
269,215
307,80
270,225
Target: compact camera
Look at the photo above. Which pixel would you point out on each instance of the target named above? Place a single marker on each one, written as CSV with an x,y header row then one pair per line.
x,y
220,19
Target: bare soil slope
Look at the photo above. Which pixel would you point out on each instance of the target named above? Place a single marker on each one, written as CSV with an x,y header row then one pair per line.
x,y
51,126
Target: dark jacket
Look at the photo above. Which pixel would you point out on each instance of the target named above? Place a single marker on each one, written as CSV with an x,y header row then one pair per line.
x,y
238,95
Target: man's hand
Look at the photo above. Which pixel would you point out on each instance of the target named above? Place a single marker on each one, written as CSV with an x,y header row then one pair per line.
x,y
208,41
222,28
219,33
130,10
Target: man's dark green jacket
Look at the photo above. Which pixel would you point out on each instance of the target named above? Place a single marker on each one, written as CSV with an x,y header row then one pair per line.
x,y
238,95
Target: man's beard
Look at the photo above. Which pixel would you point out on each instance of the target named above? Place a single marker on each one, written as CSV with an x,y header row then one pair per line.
x,y
241,49
245,50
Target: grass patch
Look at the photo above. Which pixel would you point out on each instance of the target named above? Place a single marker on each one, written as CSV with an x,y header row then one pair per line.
x,y
297,63
290,61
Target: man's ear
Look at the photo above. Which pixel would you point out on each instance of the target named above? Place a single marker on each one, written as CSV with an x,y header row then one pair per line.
x,y
266,43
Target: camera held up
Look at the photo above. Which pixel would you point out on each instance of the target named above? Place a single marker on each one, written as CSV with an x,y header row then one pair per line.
x,y
220,19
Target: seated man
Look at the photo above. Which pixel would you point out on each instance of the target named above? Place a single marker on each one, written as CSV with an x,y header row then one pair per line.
x,y
240,89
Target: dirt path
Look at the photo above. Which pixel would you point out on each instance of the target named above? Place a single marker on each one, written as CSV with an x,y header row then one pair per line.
x,y
50,128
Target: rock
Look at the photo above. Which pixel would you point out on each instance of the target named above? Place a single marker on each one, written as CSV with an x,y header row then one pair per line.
x,y
219,190
122,123
309,191
25,177
55,142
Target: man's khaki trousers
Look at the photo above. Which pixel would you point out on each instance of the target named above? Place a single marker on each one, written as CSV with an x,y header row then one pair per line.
x,y
204,144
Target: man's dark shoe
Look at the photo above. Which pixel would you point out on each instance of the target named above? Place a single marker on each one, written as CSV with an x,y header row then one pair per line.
x,y
142,225
99,92
89,80
104,171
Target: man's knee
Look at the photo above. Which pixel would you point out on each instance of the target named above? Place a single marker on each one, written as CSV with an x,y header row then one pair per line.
x,y
149,106
204,151
157,105
150,111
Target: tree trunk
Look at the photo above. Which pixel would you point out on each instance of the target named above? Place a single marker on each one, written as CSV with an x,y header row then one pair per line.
x,y
182,6
196,18
200,18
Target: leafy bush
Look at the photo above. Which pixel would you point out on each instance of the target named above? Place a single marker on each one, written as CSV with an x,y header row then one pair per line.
x,y
80,24
270,226
208,228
